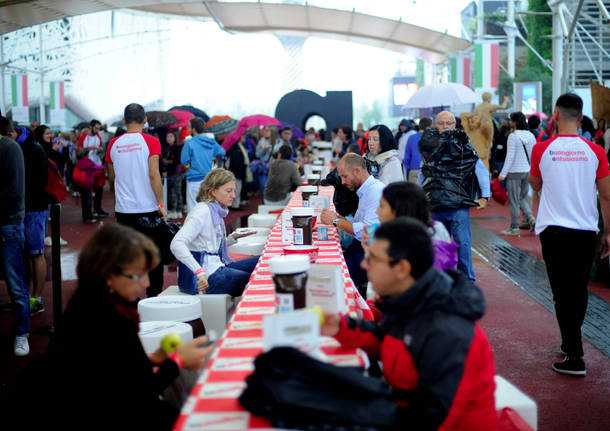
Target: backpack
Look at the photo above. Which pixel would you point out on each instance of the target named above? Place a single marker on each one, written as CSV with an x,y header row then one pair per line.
x,y
293,390
56,189
79,177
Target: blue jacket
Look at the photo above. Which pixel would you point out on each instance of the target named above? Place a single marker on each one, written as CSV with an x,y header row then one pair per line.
x,y
199,152
412,159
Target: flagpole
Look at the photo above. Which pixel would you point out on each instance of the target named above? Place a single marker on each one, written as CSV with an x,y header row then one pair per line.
x,y
42,113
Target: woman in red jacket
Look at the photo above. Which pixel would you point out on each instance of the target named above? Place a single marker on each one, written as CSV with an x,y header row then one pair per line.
x,y
434,354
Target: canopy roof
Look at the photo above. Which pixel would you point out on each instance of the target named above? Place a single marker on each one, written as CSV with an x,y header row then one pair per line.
x,y
289,19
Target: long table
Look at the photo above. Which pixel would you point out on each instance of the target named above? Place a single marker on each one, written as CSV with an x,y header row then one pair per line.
x,y
213,403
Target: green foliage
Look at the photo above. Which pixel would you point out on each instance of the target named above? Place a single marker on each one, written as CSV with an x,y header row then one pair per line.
x,y
538,26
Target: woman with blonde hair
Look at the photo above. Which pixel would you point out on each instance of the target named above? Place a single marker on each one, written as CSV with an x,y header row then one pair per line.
x,y
201,244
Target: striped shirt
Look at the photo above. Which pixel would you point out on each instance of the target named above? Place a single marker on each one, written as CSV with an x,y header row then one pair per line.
x,y
516,161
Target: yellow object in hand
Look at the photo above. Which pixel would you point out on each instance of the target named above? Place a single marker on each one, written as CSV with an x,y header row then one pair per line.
x,y
320,312
170,343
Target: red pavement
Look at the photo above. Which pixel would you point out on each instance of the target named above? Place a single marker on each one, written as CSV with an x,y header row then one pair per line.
x,y
523,334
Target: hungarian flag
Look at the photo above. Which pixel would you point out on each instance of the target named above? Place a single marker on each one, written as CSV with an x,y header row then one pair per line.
x,y
460,70
486,65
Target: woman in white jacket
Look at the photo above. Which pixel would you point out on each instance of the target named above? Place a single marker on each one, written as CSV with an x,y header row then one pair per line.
x,y
384,151
201,244
516,170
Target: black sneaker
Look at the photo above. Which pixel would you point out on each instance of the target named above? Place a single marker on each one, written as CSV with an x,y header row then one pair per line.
x,y
36,307
573,367
90,221
100,213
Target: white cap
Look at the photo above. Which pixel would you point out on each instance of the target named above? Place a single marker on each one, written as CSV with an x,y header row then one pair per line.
x,y
151,333
290,264
309,189
178,308
301,212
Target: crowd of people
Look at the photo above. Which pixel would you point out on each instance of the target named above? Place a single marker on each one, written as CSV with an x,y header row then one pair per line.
x,y
407,237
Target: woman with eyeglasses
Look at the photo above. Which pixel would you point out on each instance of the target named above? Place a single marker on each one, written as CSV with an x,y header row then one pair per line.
x,y
95,373
384,151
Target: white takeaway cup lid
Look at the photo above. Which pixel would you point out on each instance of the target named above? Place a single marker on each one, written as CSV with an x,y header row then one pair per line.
x,y
314,176
301,212
309,189
290,264
178,308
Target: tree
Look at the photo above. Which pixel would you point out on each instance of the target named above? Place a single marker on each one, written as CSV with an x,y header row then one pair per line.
x,y
539,27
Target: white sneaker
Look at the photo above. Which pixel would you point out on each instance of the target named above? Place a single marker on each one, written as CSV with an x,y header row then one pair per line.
x,y
22,348
47,241
62,241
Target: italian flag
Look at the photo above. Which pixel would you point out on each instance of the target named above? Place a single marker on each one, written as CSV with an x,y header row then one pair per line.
x,y
459,70
486,65
19,91
56,95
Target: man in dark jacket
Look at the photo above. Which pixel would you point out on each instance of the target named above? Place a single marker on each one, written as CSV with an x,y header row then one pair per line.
x,y
434,354
455,180
12,213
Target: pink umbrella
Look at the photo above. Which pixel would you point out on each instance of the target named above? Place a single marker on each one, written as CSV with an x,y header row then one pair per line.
x,y
233,137
183,118
540,115
258,121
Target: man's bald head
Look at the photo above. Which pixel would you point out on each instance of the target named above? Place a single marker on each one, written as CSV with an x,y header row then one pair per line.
x,y
353,160
445,120
352,171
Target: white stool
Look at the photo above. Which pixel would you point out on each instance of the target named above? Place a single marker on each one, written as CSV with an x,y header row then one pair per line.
x,y
216,309
508,395
264,220
264,209
151,333
260,231
177,308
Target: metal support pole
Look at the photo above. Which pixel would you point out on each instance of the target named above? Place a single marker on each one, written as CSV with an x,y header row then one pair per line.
x,y
557,53
42,113
2,70
480,21
510,28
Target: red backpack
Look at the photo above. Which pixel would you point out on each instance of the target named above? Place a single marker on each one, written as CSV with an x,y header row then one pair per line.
x,y
79,176
56,189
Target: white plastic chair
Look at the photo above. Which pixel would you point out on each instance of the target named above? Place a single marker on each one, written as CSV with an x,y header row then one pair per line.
x,y
508,395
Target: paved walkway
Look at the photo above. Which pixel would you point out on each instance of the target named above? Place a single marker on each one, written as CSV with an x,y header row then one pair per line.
x,y
519,321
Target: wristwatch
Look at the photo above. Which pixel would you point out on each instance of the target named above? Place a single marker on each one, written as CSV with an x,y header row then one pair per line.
x,y
336,221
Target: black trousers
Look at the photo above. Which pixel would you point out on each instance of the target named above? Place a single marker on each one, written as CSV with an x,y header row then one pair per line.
x,y
97,200
85,201
156,274
568,255
353,258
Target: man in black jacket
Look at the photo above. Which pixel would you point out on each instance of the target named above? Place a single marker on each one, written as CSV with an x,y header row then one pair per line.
x,y
12,213
455,180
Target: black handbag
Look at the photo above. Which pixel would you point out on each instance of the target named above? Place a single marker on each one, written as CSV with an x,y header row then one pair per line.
x,y
161,232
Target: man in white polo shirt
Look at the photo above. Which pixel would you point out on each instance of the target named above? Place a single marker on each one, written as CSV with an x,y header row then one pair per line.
x,y
133,165
567,169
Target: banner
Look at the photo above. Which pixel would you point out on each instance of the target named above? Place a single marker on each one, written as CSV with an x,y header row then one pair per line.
x,y
56,103
19,98
486,65
459,70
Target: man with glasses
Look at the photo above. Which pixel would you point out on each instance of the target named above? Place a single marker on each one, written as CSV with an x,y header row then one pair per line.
x,y
454,179
434,353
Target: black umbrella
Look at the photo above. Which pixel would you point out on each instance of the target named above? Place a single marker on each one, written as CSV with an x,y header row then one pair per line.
x,y
160,118
81,125
195,111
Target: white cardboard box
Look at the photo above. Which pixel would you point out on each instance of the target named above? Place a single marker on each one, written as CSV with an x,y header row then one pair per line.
x,y
325,288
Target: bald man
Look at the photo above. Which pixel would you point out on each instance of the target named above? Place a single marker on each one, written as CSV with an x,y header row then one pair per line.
x,y
354,175
453,209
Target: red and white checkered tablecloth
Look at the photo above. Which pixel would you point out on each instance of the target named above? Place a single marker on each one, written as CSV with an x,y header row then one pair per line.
x,y
213,403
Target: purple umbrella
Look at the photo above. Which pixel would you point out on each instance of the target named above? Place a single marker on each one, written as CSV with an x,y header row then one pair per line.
x,y
296,132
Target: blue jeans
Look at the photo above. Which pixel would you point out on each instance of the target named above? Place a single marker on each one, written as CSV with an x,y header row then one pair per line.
x,y
12,253
232,278
354,254
457,223
187,281
35,226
